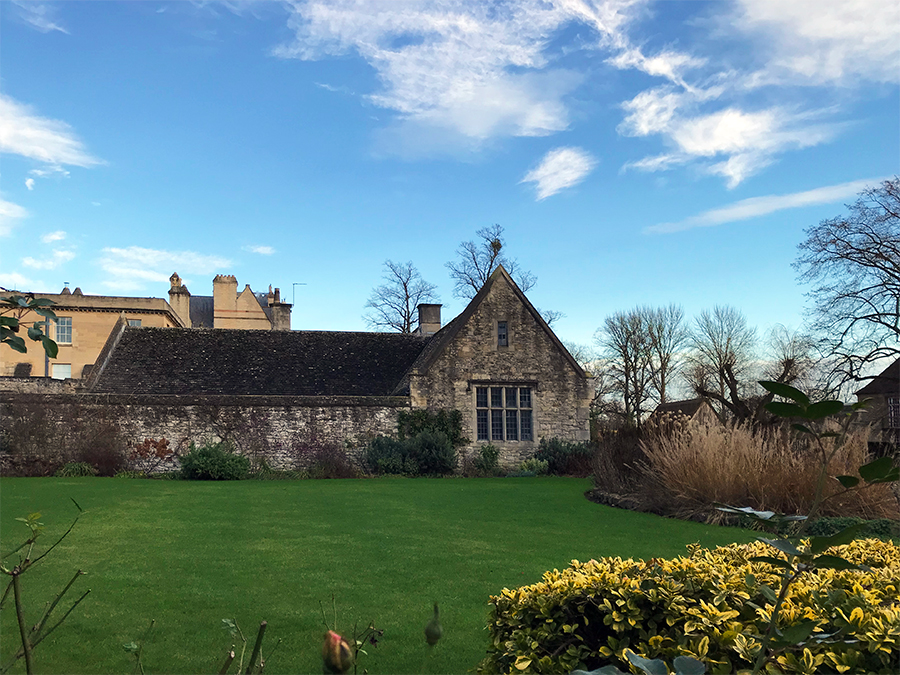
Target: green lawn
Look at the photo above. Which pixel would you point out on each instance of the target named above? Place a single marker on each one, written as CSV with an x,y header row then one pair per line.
x,y
189,554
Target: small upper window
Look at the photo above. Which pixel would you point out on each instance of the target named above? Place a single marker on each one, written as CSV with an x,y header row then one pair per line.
x,y
502,334
64,330
893,417
134,322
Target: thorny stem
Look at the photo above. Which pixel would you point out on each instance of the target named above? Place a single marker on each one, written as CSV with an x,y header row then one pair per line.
x,y
23,633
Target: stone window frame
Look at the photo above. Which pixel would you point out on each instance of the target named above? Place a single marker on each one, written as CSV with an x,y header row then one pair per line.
x,y
493,411
893,412
502,333
64,330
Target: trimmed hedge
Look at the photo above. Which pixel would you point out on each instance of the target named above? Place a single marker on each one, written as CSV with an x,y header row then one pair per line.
x,y
425,454
708,605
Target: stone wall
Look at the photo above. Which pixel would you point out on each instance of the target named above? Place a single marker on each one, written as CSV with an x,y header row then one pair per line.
x,y
561,393
274,427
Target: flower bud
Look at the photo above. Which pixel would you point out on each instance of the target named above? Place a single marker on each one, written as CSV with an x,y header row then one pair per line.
x,y
337,657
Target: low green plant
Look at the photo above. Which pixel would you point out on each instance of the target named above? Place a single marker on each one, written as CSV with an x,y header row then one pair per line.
x,y
130,474
565,458
75,470
427,453
487,461
882,528
214,461
535,466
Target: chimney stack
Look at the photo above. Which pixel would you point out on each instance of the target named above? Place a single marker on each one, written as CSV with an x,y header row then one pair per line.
x,y
180,299
429,319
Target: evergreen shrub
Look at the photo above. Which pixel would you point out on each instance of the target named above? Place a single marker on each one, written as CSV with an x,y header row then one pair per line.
x,y
427,453
411,423
487,461
711,605
214,461
565,458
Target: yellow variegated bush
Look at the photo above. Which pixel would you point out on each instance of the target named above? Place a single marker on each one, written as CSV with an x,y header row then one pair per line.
x,y
710,604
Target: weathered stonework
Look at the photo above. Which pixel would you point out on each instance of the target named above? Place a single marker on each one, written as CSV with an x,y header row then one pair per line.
x,y
259,426
533,357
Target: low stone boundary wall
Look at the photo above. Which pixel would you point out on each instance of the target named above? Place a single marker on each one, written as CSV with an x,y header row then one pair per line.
x,y
270,427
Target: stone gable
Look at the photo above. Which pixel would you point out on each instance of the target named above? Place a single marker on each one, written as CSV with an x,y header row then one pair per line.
x,y
470,356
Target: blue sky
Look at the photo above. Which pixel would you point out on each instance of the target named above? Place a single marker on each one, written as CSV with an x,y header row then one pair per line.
x,y
635,152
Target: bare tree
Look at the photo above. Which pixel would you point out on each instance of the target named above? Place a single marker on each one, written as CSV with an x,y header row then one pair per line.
x,y
393,304
582,354
550,316
722,353
625,343
853,263
476,261
667,335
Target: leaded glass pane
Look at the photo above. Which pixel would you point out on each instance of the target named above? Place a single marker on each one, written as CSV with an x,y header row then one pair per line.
x,y
527,433
496,397
496,425
482,425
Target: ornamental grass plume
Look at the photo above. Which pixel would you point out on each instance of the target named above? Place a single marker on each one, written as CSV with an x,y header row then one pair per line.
x,y
337,657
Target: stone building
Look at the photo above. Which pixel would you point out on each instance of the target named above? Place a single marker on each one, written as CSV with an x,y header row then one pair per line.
x,y
85,322
883,410
498,362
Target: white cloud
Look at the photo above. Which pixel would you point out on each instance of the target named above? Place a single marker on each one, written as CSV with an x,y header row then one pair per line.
x,y
39,15
476,69
29,183
50,237
761,206
261,250
57,258
45,140
132,268
560,169
668,64
9,214
823,41
747,141
14,281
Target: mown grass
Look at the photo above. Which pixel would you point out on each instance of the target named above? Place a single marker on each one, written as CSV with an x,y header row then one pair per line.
x,y
189,554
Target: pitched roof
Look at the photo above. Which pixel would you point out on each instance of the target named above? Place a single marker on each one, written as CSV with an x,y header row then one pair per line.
x,y
445,336
256,362
886,382
687,407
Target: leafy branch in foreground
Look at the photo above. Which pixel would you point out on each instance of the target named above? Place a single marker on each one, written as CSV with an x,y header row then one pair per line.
x,y
31,638
13,309
805,555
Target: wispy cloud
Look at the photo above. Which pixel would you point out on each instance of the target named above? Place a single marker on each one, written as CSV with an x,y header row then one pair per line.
x,y
9,214
560,169
29,183
134,267
51,262
478,70
46,140
50,237
261,250
761,206
39,15
825,41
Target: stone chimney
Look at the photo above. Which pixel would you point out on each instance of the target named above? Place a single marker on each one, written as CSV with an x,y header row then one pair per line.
x,y
281,311
224,299
429,319
180,299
